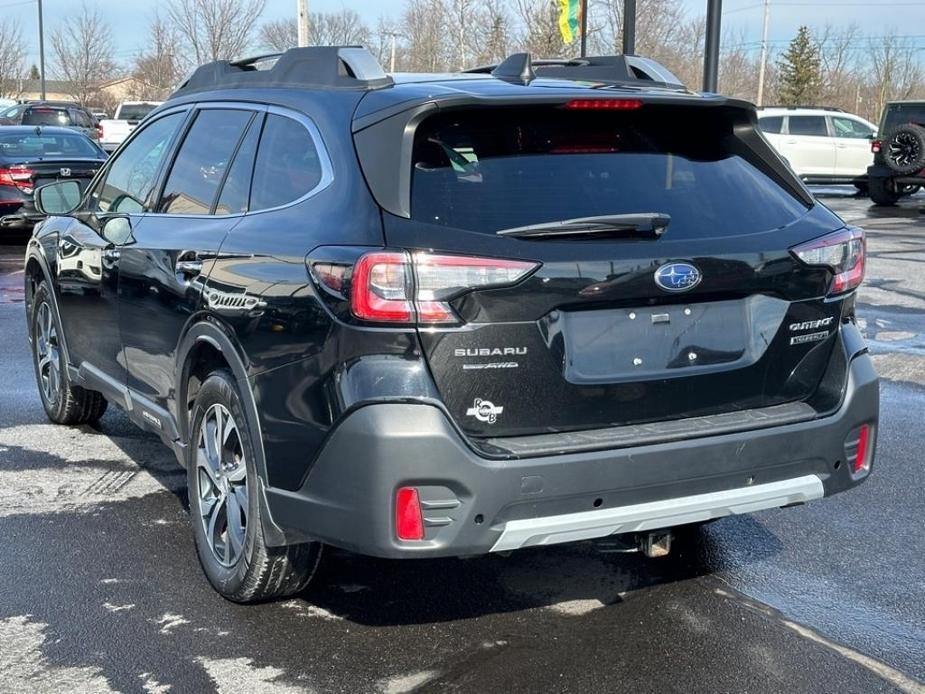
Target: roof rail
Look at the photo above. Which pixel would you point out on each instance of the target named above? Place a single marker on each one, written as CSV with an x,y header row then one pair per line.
x,y
319,67
610,69
834,109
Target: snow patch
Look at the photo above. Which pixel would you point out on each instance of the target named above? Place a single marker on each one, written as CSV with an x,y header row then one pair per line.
x,y
406,683
23,667
240,676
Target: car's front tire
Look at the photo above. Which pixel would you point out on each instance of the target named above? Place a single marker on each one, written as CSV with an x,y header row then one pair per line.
x,y
227,519
64,402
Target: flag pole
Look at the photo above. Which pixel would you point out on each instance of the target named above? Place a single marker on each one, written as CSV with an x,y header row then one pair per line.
x,y
584,28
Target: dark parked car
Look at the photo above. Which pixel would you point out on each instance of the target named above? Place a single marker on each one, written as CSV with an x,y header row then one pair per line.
x,y
33,156
899,153
53,113
426,316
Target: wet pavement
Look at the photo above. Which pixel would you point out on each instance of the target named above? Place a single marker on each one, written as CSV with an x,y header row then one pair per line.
x,y
100,590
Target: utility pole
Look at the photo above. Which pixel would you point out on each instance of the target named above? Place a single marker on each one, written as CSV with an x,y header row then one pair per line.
x,y
629,27
764,52
584,28
711,45
41,50
303,22
392,58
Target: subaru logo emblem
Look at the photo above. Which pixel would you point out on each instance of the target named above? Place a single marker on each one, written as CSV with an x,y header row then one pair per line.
x,y
677,277
65,172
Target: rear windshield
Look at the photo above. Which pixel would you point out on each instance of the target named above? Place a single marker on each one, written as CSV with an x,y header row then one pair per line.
x,y
46,116
902,114
46,145
489,170
135,111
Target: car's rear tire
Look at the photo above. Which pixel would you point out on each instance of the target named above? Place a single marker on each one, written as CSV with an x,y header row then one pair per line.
x,y
904,149
225,510
882,192
64,402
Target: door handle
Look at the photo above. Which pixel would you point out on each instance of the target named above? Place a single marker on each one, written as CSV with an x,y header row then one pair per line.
x,y
189,268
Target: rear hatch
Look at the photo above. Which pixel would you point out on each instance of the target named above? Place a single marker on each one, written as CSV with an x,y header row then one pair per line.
x,y
614,322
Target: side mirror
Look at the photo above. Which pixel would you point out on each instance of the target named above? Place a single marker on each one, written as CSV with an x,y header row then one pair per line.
x,y
117,230
59,198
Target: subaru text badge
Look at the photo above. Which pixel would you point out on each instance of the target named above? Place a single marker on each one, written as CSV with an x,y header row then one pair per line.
x,y
677,277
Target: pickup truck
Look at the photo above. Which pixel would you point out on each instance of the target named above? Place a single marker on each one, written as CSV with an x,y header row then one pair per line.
x,y
125,120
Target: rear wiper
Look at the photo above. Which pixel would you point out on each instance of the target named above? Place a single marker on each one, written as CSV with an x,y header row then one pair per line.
x,y
633,225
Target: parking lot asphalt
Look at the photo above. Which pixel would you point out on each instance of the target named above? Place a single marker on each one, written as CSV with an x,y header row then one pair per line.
x,y
100,590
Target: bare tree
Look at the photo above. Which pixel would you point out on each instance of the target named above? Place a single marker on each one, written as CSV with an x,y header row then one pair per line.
x,y
83,53
214,29
157,70
12,58
539,29
343,28
425,26
895,70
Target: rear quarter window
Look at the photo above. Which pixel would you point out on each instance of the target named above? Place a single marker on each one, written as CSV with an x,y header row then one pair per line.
x,y
288,163
902,114
771,124
490,170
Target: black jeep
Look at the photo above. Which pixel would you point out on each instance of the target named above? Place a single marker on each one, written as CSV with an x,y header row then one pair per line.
x,y
899,153
431,315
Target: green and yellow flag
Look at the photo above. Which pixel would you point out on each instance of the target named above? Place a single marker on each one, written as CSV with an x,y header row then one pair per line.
x,y
569,19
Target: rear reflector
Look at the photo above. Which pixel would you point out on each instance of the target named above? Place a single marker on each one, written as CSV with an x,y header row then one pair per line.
x,y
861,461
409,522
395,287
843,252
603,104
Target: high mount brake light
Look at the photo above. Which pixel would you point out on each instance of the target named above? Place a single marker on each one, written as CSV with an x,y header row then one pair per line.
x,y
390,287
843,252
603,104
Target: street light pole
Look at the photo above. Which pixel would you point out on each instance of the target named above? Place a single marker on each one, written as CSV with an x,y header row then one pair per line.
x,y
584,28
711,45
41,50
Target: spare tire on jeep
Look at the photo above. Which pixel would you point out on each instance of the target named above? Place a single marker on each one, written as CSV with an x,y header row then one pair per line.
x,y
904,149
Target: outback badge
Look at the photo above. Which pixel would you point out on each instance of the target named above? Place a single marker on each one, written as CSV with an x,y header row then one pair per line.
x,y
677,277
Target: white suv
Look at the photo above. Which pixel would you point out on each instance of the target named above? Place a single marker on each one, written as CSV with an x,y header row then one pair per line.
x,y
821,145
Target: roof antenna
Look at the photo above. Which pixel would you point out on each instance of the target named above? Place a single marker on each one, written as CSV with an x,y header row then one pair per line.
x,y
515,68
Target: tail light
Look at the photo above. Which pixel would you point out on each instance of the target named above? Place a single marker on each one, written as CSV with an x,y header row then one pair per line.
x,y
842,252
409,521
394,287
875,146
99,131
18,176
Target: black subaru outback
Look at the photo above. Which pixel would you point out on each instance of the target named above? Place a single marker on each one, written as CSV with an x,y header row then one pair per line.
x,y
445,315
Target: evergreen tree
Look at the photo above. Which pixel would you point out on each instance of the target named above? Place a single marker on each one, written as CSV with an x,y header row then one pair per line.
x,y
34,73
800,71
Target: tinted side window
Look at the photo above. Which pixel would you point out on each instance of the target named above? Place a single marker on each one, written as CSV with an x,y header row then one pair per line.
x,y
237,188
132,175
808,125
771,124
200,165
287,166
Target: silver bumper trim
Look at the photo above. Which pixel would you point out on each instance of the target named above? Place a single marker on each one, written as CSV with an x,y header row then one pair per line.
x,y
653,515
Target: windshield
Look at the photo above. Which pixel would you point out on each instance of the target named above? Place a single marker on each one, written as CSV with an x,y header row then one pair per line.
x,y
135,111
46,116
32,146
494,169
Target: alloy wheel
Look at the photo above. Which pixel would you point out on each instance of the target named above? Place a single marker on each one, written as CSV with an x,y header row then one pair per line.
x,y
222,480
47,353
903,149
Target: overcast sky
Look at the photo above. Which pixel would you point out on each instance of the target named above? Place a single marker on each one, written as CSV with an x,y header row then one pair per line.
x,y
876,17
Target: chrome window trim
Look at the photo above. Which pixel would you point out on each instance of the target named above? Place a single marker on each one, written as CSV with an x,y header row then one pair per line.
x,y
327,168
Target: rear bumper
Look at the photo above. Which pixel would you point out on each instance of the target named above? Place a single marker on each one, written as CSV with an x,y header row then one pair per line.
x,y
473,505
